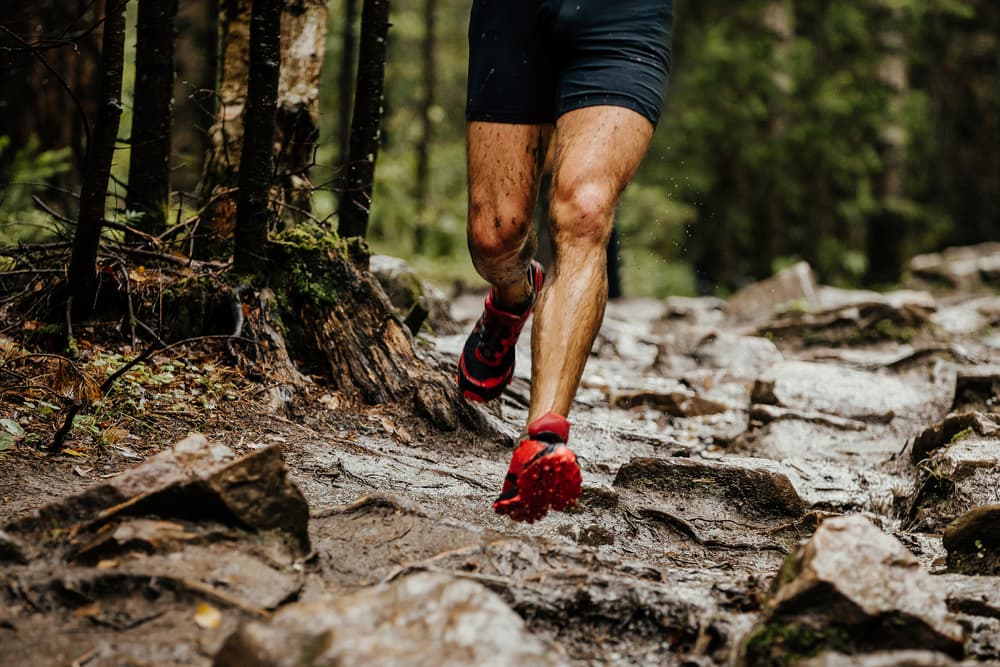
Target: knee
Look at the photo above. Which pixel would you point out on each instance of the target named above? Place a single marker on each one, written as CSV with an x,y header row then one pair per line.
x,y
582,213
499,231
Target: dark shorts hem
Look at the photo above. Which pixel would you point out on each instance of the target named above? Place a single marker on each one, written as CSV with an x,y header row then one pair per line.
x,y
511,118
612,100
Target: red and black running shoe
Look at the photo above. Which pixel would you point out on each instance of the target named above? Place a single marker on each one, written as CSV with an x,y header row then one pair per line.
x,y
487,362
543,473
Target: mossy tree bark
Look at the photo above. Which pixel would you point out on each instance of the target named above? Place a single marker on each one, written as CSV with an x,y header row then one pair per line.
x,y
887,226
82,276
152,113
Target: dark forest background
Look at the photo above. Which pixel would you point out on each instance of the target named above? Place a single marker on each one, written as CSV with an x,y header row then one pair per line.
x,y
849,133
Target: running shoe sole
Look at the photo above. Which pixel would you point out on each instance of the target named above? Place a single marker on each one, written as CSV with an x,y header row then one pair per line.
x,y
552,482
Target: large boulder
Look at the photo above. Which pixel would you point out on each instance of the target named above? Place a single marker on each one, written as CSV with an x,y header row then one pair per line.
x,y
852,589
423,619
791,288
407,291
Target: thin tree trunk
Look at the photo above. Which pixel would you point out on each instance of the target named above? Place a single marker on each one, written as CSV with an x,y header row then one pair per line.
x,y
303,42
768,239
149,166
345,81
197,62
366,120
887,227
82,275
423,147
227,132
253,212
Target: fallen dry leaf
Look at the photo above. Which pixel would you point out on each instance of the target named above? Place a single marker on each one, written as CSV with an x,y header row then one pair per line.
x,y
207,616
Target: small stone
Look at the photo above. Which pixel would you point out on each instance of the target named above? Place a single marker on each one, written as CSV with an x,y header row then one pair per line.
x,y
973,541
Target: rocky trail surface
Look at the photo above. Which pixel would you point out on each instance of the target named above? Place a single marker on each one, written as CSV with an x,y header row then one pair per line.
x,y
800,475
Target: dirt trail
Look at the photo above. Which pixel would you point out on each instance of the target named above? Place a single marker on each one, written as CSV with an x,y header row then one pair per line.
x,y
712,443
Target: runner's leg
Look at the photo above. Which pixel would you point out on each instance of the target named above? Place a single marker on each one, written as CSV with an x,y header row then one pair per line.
x,y
597,152
504,162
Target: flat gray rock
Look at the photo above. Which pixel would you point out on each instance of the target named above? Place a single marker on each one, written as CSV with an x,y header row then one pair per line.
x,y
882,659
422,619
739,503
844,392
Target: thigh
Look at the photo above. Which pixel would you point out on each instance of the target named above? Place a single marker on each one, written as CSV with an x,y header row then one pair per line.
x,y
505,162
512,74
597,150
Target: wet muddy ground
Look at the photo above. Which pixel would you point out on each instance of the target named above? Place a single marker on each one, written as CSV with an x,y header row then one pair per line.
x,y
714,439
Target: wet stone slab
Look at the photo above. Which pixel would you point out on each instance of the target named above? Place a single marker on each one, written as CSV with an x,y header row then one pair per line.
x,y
361,543
845,392
644,614
882,659
731,504
193,479
194,526
423,619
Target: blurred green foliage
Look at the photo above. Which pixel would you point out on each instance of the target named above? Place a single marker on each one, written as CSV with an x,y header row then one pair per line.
x,y
24,172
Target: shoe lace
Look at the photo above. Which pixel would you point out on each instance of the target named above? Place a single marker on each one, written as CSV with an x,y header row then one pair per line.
x,y
494,339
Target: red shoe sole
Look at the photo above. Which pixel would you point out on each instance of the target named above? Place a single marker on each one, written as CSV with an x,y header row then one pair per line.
x,y
552,482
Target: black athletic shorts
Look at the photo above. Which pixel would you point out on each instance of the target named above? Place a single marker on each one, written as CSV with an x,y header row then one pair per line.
x,y
530,61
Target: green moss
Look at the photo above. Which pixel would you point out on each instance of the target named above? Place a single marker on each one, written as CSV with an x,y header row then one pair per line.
x,y
789,570
883,330
314,648
776,645
886,329
964,433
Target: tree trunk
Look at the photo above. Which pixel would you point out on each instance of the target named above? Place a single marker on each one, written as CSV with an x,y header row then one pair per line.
x,y
303,42
366,120
887,226
227,132
82,275
152,114
967,121
197,61
423,147
253,211
345,80
779,22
